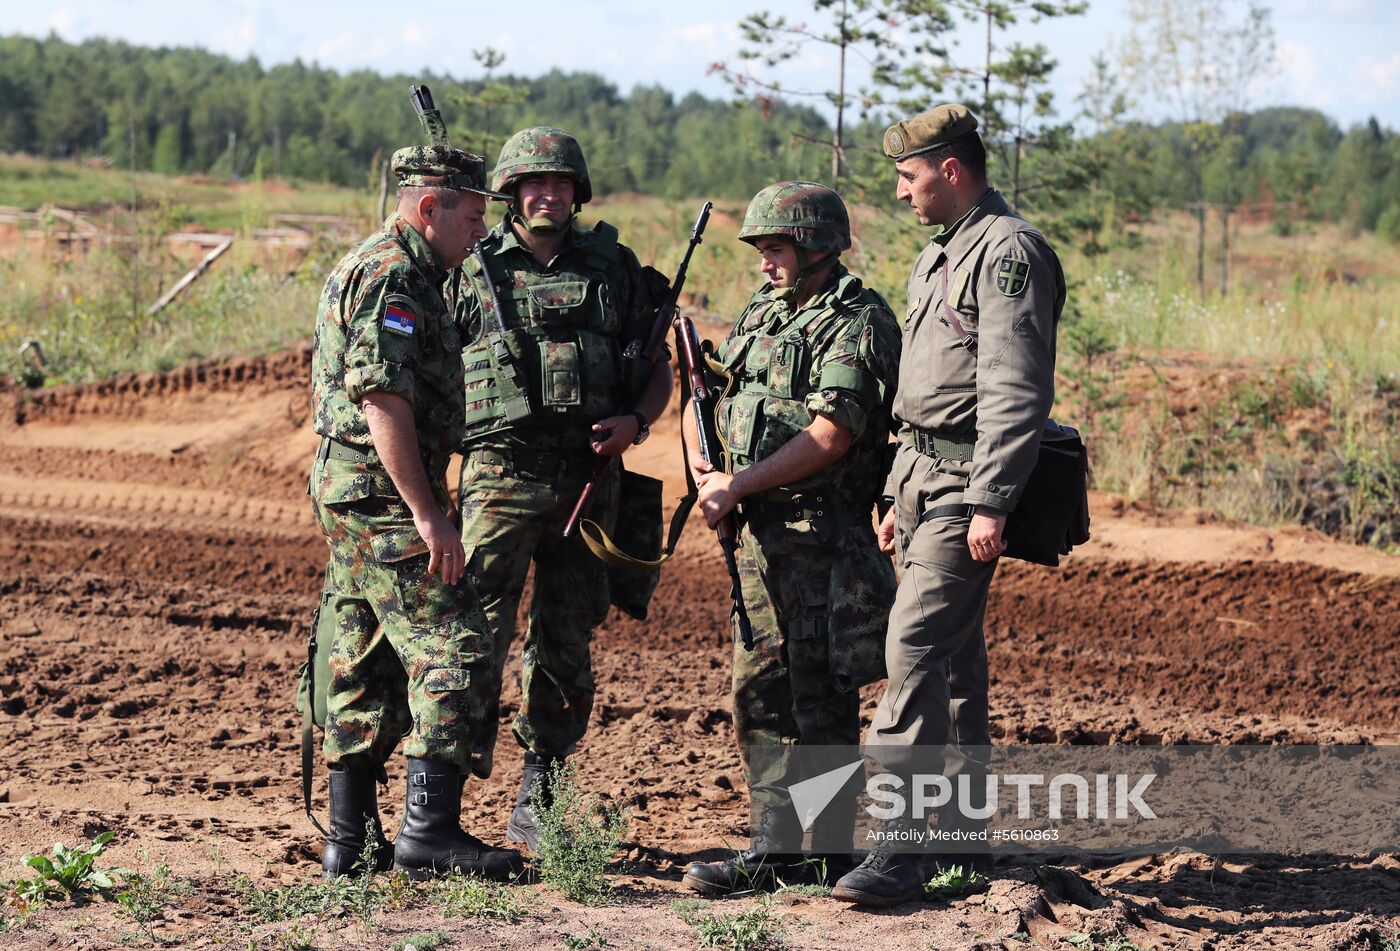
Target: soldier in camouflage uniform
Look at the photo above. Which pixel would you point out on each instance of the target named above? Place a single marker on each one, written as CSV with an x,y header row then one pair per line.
x,y
806,423
411,654
978,381
544,326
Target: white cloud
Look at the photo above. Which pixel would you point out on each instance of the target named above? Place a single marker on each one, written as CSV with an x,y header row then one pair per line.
x,y
1376,79
1306,78
62,20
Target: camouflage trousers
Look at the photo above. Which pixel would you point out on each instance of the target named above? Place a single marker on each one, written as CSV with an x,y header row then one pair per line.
x,y
514,506
411,656
818,592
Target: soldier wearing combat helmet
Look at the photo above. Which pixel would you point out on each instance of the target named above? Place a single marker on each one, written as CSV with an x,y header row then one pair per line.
x,y
546,313
412,654
975,389
806,422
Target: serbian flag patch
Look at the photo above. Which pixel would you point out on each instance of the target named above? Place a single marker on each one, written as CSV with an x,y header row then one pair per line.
x,y
399,319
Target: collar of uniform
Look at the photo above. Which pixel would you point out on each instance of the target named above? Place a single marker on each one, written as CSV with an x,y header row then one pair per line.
x,y
968,230
419,251
507,239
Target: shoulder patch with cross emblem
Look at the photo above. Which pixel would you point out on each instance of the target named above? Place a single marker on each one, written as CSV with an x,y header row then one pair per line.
x,y
1012,275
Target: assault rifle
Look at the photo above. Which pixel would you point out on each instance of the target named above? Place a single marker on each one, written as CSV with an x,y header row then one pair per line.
x,y
703,400
642,358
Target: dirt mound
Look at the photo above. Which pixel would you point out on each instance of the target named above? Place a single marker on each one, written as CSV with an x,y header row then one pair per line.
x,y
159,566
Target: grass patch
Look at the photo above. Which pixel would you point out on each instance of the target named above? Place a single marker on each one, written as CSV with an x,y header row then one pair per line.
x,y
144,898
756,929
1096,941
579,835
469,897
422,941
585,942
953,882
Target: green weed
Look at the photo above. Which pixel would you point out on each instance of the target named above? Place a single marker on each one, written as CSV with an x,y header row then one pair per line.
x,y
583,942
757,929
144,897
295,938
953,882
422,941
578,837
71,872
468,897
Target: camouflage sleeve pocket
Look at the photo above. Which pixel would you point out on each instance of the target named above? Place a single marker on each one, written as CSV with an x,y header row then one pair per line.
x,y
443,679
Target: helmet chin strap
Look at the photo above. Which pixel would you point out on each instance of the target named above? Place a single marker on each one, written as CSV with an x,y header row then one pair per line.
x,y
806,267
541,225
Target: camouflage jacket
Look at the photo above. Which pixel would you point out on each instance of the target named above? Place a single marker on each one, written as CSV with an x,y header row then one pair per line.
x,y
837,356
383,327
566,324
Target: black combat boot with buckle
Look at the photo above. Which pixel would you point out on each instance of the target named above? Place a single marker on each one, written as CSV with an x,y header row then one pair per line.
x,y
761,866
894,871
538,772
354,804
431,842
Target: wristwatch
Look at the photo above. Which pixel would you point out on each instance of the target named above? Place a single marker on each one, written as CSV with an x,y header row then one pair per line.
x,y
643,427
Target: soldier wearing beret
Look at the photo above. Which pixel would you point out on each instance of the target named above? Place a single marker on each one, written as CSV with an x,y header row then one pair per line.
x,y
975,387
412,653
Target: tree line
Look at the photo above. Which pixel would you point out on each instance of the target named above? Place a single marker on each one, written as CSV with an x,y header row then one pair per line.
x,y
189,111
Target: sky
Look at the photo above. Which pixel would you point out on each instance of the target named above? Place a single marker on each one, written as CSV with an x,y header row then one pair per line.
x,y
1339,56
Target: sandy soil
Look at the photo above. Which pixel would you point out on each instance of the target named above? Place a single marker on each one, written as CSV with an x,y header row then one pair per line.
x,y
160,563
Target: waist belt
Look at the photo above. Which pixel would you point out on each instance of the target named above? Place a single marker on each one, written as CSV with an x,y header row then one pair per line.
x,y
433,462
956,448
343,451
536,464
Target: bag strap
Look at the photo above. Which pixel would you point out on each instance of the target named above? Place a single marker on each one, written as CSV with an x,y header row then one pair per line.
x,y
968,340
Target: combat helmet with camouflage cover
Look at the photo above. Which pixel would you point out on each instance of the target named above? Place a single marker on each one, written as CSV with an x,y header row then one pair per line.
x,y
540,150
808,214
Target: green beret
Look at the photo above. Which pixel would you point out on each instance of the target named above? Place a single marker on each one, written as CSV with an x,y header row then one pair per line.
x,y
441,166
942,125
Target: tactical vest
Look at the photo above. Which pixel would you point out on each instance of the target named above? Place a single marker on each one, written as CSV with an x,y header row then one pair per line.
x,y
558,360
772,369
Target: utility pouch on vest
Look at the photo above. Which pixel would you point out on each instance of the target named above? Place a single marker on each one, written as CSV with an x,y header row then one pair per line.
x,y
638,533
1053,513
514,395
559,375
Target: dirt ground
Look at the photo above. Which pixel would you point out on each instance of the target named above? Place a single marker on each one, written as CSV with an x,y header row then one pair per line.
x,y
158,563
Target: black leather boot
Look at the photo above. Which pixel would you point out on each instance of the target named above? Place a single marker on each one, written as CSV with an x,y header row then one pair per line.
x,y
761,866
537,772
431,841
354,803
894,872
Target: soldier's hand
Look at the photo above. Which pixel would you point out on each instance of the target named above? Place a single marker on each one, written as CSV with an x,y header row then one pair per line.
x,y
885,534
698,467
716,496
613,435
445,552
984,536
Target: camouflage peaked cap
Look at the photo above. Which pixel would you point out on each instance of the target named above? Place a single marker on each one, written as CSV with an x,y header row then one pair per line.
x,y
942,125
810,215
441,166
537,151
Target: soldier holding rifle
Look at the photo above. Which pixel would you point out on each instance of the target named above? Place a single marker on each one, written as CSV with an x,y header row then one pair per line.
x,y
806,422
